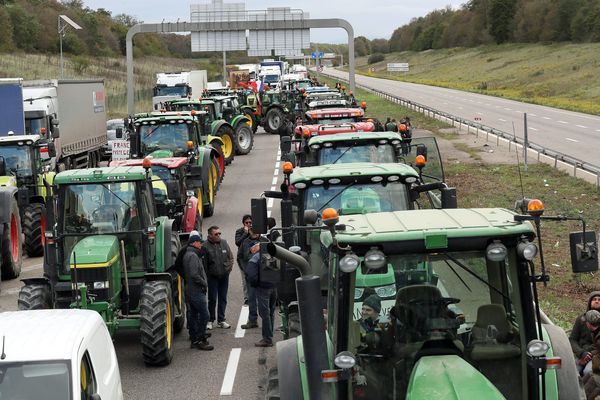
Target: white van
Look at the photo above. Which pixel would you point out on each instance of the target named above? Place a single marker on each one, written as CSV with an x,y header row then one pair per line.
x,y
57,355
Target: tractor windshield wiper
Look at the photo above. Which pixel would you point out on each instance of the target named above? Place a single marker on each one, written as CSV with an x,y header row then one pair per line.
x,y
114,194
336,196
342,155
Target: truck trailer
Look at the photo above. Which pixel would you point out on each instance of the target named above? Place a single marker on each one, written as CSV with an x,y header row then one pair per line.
x,y
12,120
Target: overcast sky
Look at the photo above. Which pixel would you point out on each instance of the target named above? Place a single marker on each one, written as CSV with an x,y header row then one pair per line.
x,y
371,18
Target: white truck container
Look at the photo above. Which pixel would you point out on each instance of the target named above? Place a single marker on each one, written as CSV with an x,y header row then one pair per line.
x,y
76,109
176,85
57,355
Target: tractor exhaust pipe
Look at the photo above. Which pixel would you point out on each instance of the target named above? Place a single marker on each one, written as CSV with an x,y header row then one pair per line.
x,y
291,258
313,334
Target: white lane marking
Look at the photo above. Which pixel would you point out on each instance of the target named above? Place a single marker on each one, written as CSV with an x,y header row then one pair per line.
x,y
274,182
239,331
500,119
276,173
230,372
270,202
532,114
562,122
532,128
572,140
508,109
480,113
273,187
546,117
277,164
581,126
268,213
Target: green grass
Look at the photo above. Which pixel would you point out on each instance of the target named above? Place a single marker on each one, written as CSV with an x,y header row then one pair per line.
x,y
497,185
560,75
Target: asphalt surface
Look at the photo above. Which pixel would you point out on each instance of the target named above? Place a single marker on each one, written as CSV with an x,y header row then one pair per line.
x,y
568,132
195,374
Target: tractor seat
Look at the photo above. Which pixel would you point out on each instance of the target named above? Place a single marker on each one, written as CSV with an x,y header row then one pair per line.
x,y
492,334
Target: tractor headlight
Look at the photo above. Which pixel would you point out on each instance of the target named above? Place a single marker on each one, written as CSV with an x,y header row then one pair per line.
x,y
345,360
358,292
315,146
537,348
100,285
375,259
496,251
349,263
527,250
386,291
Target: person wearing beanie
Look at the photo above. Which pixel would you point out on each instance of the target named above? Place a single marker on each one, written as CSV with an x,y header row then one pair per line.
x,y
581,338
370,310
196,286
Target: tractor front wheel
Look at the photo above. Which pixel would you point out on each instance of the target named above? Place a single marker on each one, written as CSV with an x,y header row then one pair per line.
x,y
275,120
34,296
10,244
156,323
273,385
227,135
245,139
34,225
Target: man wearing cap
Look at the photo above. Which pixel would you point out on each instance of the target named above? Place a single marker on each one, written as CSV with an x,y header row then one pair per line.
x,y
196,286
581,336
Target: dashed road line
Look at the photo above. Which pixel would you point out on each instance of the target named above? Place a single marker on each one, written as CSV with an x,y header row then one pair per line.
x,y
532,115
572,140
562,122
547,118
502,120
230,372
274,180
270,202
581,126
532,128
239,331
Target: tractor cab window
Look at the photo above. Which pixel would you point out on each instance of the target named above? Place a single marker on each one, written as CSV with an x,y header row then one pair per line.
x,y
359,198
171,137
17,160
34,126
383,153
454,303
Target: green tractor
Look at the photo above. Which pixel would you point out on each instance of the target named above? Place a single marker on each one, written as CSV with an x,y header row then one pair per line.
x,y
227,108
401,335
212,123
21,168
107,250
165,135
270,109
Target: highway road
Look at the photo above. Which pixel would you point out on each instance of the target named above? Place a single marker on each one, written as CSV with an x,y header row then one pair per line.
x,y
572,133
236,369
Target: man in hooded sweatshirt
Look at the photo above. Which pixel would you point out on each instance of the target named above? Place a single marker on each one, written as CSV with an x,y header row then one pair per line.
x,y
581,337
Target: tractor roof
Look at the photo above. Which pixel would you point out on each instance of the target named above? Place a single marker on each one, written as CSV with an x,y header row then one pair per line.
x,y
157,118
408,225
104,174
335,113
171,162
19,138
38,335
354,137
351,170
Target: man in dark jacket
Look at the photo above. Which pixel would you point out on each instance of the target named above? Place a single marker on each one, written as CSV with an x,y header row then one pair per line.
x,y
195,293
581,337
245,254
266,297
220,263
241,234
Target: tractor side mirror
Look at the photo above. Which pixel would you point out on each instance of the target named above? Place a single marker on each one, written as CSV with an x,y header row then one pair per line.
x,y
134,146
285,144
258,210
51,150
119,133
449,198
194,177
173,189
54,129
584,251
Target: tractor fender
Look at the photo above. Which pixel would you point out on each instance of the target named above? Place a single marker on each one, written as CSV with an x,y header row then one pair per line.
x,y
167,234
212,138
239,119
36,281
205,159
189,214
247,109
567,378
7,195
288,369
219,124
158,276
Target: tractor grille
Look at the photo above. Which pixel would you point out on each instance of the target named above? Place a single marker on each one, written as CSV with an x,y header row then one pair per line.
x,y
91,275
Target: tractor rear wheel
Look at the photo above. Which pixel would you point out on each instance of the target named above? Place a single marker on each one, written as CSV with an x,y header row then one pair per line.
x,y
220,160
179,289
156,323
34,225
34,296
294,325
253,120
10,244
209,209
275,120
245,139
227,135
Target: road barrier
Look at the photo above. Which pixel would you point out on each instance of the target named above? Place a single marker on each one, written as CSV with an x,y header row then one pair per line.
x,y
564,162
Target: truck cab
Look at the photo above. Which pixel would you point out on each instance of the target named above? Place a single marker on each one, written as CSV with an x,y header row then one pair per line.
x,y
57,355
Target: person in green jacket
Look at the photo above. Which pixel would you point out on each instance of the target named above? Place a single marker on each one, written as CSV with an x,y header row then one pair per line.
x,y
581,337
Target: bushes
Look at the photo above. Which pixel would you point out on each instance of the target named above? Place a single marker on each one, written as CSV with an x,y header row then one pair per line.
x,y
375,58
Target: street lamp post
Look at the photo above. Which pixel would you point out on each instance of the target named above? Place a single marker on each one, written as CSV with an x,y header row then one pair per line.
x,y
63,23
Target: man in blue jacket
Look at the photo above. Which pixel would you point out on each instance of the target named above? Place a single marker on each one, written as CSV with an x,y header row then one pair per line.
x,y
266,296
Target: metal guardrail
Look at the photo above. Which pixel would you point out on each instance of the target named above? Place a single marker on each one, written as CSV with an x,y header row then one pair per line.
x,y
549,154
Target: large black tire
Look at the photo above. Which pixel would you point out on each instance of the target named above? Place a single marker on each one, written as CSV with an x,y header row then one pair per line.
x,y
253,120
10,244
179,288
273,385
34,223
156,323
275,120
244,139
34,296
227,134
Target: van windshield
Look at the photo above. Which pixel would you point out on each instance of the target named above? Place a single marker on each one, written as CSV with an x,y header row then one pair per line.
x,y
48,380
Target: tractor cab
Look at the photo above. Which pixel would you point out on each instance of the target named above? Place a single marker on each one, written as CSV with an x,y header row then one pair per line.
x,y
21,160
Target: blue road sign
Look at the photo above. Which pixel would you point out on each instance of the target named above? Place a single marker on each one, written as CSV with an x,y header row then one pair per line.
x,y
316,54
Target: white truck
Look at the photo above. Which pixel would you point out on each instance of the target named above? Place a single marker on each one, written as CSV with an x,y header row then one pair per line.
x,y
175,85
57,355
73,113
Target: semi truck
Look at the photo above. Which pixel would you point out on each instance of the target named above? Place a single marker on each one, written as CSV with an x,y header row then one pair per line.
x,y
77,109
176,85
12,116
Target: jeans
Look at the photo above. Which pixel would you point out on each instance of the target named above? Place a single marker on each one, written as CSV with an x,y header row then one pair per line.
x,y
253,314
266,299
197,316
244,283
584,369
217,289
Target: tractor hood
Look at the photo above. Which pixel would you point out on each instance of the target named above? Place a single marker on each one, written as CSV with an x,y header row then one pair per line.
x,y
8,181
95,252
161,154
449,378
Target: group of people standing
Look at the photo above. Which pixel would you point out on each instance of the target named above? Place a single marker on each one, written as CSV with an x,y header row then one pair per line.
x,y
206,265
